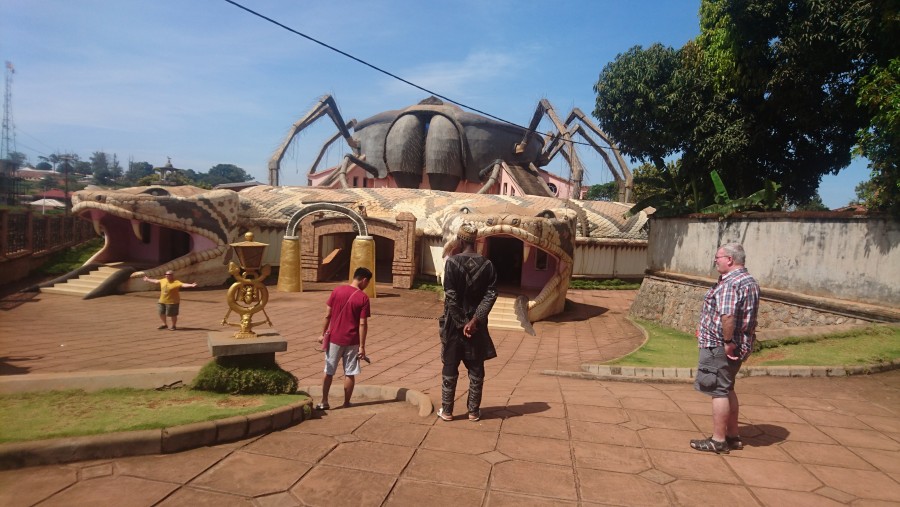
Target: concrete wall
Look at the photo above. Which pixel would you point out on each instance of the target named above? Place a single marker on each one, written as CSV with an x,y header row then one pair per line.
x,y
850,258
610,259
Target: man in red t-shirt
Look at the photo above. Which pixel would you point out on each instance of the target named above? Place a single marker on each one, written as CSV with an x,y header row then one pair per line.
x,y
344,333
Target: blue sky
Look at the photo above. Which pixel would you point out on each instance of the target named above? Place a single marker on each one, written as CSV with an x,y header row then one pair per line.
x,y
206,83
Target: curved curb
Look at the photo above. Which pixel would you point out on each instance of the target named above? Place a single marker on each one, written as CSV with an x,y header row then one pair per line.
x,y
415,398
648,374
158,441
188,436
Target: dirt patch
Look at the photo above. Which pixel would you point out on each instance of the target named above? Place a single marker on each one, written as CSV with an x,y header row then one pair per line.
x,y
239,402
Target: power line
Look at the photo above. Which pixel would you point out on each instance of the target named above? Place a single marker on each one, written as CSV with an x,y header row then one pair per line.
x,y
379,69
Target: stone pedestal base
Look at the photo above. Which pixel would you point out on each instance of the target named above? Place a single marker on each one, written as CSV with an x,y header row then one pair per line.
x,y
264,346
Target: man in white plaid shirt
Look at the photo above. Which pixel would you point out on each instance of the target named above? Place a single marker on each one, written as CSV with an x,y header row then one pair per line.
x,y
725,338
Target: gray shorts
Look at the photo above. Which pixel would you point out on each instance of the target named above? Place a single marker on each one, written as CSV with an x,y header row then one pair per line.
x,y
348,353
168,310
715,372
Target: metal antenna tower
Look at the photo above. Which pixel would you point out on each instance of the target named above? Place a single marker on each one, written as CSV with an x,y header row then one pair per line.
x,y
8,145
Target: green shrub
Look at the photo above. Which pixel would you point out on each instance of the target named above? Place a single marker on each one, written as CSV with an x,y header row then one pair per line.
x,y
613,284
67,260
239,375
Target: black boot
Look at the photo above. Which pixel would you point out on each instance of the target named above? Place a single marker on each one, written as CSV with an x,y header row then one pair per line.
x,y
448,393
476,385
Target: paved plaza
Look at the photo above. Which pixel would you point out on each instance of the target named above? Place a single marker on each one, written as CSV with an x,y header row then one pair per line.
x,y
544,440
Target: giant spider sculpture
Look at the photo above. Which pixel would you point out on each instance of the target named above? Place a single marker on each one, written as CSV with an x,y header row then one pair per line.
x,y
450,145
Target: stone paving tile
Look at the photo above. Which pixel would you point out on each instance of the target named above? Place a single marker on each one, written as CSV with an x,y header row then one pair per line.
x,y
886,461
882,423
304,447
179,467
773,474
28,486
519,477
190,497
657,405
668,420
779,497
827,418
127,492
505,499
669,440
698,466
822,454
407,492
861,438
801,402
526,406
326,486
370,456
468,441
537,427
392,432
270,474
700,493
330,425
530,448
795,432
604,433
596,414
619,489
860,483
770,415
449,468
861,407
277,500
592,399
613,458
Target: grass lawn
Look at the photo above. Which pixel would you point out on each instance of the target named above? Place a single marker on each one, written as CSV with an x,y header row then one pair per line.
x,y
668,347
54,414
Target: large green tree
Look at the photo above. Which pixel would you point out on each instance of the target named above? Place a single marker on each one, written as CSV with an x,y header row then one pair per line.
x,y
768,91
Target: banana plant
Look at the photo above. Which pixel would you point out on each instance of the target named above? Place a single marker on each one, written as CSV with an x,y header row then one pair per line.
x,y
763,199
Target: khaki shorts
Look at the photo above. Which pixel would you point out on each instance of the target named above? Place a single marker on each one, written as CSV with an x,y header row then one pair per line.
x,y
168,310
348,353
715,372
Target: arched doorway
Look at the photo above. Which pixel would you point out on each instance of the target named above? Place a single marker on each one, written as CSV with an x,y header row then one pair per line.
x,y
505,252
384,259
334,251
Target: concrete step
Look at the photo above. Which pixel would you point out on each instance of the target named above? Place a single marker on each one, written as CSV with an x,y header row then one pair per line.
x,y
62,289
84,284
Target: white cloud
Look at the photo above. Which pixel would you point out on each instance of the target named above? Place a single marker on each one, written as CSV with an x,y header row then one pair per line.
x,y
458,78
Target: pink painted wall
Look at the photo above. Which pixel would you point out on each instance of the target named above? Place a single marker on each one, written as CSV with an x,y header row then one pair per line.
x,y
533,278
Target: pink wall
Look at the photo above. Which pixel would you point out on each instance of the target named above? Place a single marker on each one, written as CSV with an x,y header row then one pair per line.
x,y
533,278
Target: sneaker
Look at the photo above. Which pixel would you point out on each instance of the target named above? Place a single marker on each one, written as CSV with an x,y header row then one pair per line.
x,y
446,416
173,328
163,326
475,416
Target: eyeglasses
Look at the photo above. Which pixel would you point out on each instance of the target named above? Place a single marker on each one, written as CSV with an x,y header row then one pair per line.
x,y
720,256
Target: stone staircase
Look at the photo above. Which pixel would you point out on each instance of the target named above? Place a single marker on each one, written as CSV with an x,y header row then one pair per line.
x,y
503,314
84,284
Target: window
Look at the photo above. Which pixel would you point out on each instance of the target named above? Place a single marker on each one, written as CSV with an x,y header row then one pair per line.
x,y
355,181
553,188
504,189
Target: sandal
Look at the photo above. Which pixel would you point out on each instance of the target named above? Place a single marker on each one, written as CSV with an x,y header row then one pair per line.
x,y
734,443
710,445
445,416
163,327
322,406
475,416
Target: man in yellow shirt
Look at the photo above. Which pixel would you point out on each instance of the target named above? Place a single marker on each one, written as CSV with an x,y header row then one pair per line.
x,y
169,297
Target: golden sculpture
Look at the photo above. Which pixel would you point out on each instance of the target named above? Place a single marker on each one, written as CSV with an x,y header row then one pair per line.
x,y
248,295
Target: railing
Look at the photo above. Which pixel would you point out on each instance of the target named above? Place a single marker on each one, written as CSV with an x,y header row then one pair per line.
x,y
23,234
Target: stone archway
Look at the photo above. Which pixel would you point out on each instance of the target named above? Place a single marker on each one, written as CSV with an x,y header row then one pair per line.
x,y
402,231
